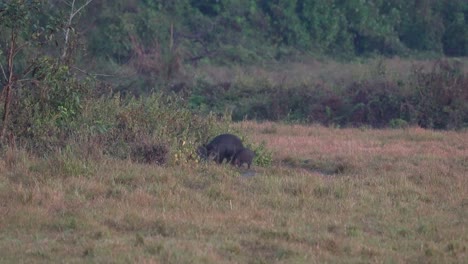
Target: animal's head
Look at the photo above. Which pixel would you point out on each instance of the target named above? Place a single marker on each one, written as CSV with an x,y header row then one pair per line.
x,y
207,152
212,152
202,152
237,162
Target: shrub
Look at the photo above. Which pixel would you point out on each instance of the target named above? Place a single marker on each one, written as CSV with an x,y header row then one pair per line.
x,y
156,128
62,112
45,111
150,153
374,102
263,157
440,98
398,123
437,98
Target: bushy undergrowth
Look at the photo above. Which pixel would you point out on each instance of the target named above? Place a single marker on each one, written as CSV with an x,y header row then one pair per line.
x,y
59,112
435,98
65,114
156,129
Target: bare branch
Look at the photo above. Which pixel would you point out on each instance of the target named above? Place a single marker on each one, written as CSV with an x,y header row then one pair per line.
x,y
10,83
73,13
25,80
83,6
67,3
93,74
18,49
3,71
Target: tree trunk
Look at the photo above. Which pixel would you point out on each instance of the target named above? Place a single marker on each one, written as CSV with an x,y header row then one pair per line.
x,y
7,88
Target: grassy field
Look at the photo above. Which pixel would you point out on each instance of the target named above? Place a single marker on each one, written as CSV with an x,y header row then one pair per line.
x,y
331,196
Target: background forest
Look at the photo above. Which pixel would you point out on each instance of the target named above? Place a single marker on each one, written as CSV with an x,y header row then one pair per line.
x,y
340,63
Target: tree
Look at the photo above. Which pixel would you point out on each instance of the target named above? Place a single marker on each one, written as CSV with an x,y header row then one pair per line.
x,y
27,52
325,24
286,27
455,38
16,17
69,26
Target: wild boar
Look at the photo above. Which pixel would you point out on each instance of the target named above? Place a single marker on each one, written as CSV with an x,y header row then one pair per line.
x,y
222,147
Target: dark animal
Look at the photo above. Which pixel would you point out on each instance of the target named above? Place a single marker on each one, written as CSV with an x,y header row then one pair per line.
x,y
222,147
242,156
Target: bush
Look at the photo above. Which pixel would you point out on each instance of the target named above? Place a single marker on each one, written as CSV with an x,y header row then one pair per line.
x,y
45,112
440,98
263,157
150,153
62,112
373,103
398,123
435,98
156,128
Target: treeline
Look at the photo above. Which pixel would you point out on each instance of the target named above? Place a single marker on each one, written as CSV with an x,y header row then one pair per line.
x,y
244,30
156,37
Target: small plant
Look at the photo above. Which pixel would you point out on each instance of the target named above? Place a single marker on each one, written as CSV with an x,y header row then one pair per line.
x,y
150,153
398,123
186,151
263,157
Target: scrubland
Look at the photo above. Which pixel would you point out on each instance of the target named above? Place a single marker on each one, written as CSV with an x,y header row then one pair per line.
x,y
331,195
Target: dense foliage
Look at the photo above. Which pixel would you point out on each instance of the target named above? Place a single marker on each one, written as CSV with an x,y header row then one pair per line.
x,y
247,29
155,36
60,59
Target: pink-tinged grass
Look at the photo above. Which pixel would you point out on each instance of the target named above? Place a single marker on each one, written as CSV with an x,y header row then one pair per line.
x,y
315,72
330,196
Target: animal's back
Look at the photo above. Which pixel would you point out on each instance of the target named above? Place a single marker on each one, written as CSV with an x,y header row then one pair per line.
x,y
224,146
226,139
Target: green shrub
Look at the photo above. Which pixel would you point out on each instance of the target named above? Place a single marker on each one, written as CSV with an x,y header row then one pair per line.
x,y
45,112
143,125
62,112
263,157
398,123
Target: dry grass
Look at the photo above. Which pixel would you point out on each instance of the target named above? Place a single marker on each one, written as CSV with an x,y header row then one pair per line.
x,y
312,71
332,195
